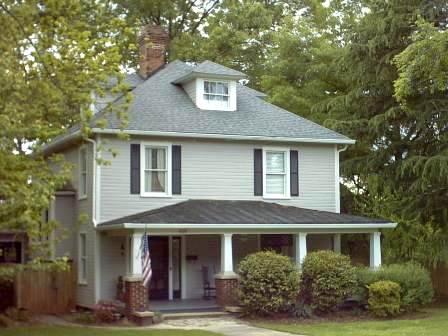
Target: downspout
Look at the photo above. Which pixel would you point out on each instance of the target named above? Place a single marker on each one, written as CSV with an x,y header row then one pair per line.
x,y
337,184
95,219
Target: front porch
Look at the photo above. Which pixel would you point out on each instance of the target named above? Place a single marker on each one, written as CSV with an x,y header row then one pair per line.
x,y
191,254
184,265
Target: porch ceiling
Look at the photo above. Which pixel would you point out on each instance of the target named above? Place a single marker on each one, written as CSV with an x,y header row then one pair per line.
x,y
242,215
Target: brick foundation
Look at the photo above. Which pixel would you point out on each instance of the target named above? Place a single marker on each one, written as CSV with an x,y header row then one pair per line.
x,y
226,291
136,296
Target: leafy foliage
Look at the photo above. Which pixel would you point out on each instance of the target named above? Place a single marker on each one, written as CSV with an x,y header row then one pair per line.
x,y
384,298
415,283
268,283
55,55
327,278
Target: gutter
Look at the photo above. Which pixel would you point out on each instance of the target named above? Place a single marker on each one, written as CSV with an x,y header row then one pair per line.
x,y
180,226
95,219
222,136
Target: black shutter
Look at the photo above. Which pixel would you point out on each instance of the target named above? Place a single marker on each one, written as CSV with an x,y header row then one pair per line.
x,y
176,162
258,172
294,172
135,169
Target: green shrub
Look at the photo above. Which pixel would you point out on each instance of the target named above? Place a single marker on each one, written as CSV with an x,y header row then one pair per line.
x,y
414,280
327,279
268,284
384,298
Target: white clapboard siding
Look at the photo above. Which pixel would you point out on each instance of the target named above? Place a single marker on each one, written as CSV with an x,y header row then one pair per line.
x,y
216,170
113,265
83,208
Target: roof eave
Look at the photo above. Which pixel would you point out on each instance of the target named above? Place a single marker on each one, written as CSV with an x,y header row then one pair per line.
x,y
251,227
346,141
195,74
55,145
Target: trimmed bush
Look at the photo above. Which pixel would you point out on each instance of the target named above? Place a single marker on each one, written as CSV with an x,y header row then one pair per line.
x,y
106,312
384,298
327,279
268,284
415,283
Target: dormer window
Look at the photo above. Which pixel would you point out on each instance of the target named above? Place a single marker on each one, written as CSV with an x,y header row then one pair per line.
x,y
216,94
211,86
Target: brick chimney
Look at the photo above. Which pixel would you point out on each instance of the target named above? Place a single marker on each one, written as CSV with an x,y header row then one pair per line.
x,y
153,44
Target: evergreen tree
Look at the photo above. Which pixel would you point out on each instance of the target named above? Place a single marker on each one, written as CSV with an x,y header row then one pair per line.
x,y
395,107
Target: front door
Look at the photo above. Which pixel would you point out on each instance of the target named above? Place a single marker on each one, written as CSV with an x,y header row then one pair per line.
x,y
158,288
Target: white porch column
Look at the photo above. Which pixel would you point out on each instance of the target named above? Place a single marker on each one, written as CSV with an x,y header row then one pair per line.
x,y
337,242
375,249
136,258
300,247
226,254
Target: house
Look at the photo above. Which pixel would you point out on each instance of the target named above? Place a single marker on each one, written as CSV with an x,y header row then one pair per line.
x,y
211,172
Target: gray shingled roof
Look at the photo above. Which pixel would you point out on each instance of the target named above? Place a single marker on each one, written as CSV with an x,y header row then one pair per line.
x,y
209,69
239,212
161,106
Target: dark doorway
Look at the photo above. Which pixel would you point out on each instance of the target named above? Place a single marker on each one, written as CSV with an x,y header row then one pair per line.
x,y
177,267
158,247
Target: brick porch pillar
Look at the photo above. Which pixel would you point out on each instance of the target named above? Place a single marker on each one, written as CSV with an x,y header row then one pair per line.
x,y
136,295
226,282
226,290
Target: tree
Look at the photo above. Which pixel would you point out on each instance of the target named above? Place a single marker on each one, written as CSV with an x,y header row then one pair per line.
x,y
231,32
54,56
395,107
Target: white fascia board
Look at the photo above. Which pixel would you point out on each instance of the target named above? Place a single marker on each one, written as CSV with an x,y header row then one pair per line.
x,y
249,227
223,136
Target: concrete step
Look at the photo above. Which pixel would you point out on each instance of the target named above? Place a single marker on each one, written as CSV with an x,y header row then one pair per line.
x,y
193,314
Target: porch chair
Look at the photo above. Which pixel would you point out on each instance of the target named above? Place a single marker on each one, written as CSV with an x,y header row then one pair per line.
x,y
209,292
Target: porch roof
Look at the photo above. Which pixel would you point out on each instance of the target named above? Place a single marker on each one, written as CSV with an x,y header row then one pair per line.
x,y
229,213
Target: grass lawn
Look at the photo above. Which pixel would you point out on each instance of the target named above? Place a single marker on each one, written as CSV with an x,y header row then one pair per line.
x,y
69,331
434,322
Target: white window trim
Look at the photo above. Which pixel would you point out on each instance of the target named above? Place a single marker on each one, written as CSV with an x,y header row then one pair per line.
x,y
206,105
81,258
80,173
143,146
287,194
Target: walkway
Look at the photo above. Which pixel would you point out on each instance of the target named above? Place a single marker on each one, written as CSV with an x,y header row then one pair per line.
x,y
228,326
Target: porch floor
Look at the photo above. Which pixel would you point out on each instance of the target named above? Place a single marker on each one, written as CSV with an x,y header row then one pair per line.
x,y
186,305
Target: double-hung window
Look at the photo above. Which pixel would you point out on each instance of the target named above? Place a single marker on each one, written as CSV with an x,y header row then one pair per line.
x,y
216,94
82,173
82,258
156,172
276,173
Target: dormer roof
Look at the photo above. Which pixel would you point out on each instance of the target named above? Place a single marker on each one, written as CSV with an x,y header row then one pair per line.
x,y
209,69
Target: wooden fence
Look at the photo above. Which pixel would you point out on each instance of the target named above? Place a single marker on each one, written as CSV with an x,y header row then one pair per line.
x,y
46,292
440,281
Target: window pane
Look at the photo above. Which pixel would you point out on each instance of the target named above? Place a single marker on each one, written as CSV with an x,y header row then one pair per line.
x,y
83,269
275,162
275,184
155,158
222,88
83,245
206,87
83,160
155,181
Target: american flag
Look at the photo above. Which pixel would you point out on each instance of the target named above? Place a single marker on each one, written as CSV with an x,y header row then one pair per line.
x,y
146,261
